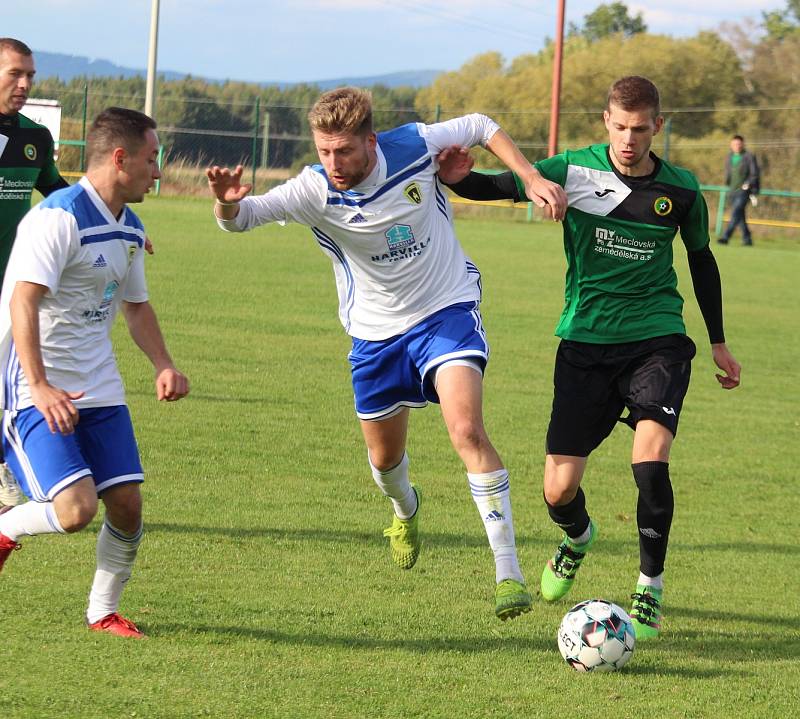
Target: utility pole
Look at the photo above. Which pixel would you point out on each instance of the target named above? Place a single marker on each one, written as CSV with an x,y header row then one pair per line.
x,y
150,92
555,95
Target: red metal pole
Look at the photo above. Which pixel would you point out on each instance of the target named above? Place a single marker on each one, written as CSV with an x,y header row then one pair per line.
x,y
555,98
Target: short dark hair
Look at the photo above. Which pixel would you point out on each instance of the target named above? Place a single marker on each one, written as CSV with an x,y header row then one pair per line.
x,y
117,127
9,43
738,137
634,92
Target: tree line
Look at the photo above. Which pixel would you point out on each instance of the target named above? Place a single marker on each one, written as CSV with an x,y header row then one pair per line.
x,y
740,79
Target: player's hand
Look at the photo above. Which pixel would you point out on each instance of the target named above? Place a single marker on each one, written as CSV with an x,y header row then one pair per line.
x,y
56,407
548,195
226,186
171,385
148,246
728,364
454,162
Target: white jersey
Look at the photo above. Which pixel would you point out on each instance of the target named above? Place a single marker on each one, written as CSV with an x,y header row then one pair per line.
x,y
90,262
395,255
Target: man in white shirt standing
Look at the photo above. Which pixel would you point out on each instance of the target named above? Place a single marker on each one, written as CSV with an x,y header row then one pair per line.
x,y
77,260
408,296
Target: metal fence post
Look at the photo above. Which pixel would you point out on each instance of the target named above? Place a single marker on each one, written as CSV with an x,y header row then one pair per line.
x,y
265,141
83,125
160,161
255,140
720,211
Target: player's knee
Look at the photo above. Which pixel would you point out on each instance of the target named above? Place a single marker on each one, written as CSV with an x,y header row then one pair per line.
x,y
124,509
76,515
467,435
385,459
556,494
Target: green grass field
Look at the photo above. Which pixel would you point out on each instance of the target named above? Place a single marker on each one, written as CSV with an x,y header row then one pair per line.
x,y
264,582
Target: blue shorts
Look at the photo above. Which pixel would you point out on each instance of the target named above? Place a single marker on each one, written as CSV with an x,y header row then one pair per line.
x,y
102,446
397,372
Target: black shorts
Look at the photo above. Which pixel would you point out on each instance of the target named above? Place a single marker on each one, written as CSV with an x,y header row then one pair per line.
x,y
593,384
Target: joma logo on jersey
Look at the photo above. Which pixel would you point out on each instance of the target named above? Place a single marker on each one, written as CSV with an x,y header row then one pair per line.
x,y
662,206
399,236
413,193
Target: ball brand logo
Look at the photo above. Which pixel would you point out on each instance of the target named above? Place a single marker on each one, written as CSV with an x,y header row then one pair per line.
x,y
30,152
662,206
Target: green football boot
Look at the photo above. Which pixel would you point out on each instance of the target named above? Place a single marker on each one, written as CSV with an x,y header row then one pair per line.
x,y
559,572
646,611
511,598
404,538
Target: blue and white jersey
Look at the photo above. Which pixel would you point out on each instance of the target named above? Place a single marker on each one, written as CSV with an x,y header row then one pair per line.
x,y
395,255
90,262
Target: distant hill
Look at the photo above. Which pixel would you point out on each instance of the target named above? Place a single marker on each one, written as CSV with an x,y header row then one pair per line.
x,y
66,67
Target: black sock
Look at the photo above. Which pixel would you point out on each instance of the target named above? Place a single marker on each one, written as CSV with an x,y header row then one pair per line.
x,y
571,517
653,514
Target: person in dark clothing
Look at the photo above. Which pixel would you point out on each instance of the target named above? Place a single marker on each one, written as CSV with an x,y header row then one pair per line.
x,y
742,177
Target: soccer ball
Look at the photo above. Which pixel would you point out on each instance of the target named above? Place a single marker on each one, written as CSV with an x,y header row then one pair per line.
x,y
596,636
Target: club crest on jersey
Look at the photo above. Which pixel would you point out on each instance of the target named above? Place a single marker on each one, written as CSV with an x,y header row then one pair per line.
x,y
131,253
30,152
413,193
399,236
662,206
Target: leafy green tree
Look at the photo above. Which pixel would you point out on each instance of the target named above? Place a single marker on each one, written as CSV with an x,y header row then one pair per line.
x,y
781,24
609,19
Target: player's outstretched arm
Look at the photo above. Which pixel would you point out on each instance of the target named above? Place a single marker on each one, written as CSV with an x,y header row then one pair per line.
x,y
455,164
171,384
54,403
540,191
728,364
228,190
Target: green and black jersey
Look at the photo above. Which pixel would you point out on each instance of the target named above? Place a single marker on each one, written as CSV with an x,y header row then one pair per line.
x,y
621,285
618,232
26,162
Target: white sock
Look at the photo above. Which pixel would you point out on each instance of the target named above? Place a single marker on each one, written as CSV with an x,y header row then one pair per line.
x,y
116,553
492,496
655,582
585,537
30,519
394,484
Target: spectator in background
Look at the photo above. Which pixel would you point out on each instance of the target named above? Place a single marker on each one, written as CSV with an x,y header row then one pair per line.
x,y
742,178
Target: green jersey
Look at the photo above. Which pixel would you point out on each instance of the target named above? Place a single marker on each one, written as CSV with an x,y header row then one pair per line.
x,y
26,161
618,232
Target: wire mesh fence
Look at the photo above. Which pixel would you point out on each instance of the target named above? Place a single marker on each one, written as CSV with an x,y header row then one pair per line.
x,y
272,140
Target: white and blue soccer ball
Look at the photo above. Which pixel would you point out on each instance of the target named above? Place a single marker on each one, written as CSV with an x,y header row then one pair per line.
x,y
596,636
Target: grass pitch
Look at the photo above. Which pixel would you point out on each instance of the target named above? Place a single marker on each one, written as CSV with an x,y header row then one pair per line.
x,y
265,585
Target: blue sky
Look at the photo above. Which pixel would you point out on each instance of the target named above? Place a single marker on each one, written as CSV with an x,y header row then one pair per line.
x,y
297,40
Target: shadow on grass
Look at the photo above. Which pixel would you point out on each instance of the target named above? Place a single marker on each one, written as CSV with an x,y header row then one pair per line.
x,y
474,539
312,534
719,617
424,645
729,652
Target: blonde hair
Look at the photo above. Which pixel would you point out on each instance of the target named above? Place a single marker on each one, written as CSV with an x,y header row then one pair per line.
x,y
345,110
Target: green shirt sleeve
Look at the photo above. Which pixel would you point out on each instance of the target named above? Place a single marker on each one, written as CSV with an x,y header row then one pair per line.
x,y
553,169
49,174
694,228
